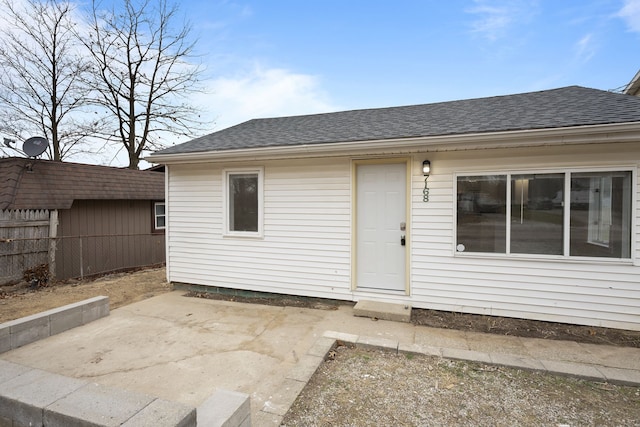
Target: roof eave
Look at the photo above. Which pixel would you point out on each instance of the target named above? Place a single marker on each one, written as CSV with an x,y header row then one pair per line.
x,y
589,134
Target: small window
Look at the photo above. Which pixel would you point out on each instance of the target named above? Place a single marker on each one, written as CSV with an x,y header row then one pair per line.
x,y
243,202
159,215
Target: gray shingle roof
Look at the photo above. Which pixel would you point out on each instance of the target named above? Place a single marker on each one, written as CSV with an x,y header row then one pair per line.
x,y
556,108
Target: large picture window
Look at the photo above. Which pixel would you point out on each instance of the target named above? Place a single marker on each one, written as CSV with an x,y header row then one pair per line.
x,y
580,214
243,202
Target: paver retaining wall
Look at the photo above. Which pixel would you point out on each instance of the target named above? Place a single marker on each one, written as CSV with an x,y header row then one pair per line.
x,y
23,331
33,397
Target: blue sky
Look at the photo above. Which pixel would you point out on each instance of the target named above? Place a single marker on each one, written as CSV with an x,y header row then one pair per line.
x,y
284,57
274,58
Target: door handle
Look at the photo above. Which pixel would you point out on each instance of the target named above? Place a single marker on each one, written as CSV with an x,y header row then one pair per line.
x,y
403,240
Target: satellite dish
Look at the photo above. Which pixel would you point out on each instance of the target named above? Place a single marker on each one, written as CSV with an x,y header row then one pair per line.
x,y
35,146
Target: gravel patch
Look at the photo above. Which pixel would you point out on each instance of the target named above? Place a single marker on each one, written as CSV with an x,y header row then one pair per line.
x,y
369,387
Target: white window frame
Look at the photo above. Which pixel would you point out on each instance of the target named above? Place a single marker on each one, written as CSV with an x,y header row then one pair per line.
x,y
155,216
226,173
566,228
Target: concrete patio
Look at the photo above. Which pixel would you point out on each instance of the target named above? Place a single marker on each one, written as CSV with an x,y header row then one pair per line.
x,y
183,349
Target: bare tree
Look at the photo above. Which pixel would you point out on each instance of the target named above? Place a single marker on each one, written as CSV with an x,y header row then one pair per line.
x,y
42,89
143,73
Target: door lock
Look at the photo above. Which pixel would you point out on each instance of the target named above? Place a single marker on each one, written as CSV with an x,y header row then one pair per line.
x,y
403,240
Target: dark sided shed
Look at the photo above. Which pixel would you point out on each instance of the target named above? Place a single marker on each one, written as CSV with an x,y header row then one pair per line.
x,y
100,218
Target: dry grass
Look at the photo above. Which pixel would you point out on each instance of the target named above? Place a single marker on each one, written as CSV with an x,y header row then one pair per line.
x,y
363,387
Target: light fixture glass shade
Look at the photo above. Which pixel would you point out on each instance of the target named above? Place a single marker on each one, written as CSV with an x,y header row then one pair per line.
x,y
426,167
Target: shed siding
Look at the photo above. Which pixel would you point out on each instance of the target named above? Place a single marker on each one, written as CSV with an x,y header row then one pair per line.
x,y
98,236
307,241
592,293
306,249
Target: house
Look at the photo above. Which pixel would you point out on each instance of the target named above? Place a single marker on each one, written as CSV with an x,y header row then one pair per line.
x,y
80,219
523,206
633,87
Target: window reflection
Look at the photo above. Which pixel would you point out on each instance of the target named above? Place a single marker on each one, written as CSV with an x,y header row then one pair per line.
x,y
537,214
243,202
601,214
597,209
481,221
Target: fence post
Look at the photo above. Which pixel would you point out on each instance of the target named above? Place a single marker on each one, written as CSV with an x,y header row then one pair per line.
x,y
53,242
81,261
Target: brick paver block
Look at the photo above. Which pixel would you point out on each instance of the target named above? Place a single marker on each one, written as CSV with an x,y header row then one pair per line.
x,y
9,370
29,329
578,370
163,413
63,320
95,405
5,337
23,397
321,347
281,401
341,336
225,409
621,376
305,368
94,309
516,361
378,342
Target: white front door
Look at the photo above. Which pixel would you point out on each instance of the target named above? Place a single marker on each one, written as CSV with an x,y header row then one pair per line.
x,y
381,203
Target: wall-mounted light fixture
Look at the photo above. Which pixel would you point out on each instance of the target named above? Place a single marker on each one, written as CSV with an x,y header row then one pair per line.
x,y
426,167
426,170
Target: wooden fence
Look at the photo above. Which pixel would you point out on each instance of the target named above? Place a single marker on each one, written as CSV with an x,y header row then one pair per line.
x,y
24,242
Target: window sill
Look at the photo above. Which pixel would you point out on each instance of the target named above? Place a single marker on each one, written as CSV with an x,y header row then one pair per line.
x,y
243,236
547,258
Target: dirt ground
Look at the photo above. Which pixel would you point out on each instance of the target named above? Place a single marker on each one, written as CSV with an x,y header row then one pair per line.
x,y
125,288
465,322
21,300
525,328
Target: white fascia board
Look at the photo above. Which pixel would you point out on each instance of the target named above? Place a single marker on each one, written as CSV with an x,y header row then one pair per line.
x,y
593,134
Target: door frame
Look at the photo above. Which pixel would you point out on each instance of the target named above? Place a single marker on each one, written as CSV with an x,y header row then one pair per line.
x,y
407,161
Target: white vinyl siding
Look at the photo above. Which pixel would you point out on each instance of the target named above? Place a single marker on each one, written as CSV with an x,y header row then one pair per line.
x,y
306,247
306,241
592,292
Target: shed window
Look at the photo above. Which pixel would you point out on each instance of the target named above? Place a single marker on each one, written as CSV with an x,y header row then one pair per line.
x,y
159,215
566,214
243,202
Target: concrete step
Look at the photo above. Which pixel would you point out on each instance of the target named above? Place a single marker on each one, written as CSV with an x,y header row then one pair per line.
x,y
383,311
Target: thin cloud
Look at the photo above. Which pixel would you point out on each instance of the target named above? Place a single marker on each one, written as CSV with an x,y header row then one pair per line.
x,y
585,48
630,13
494,19
264,92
